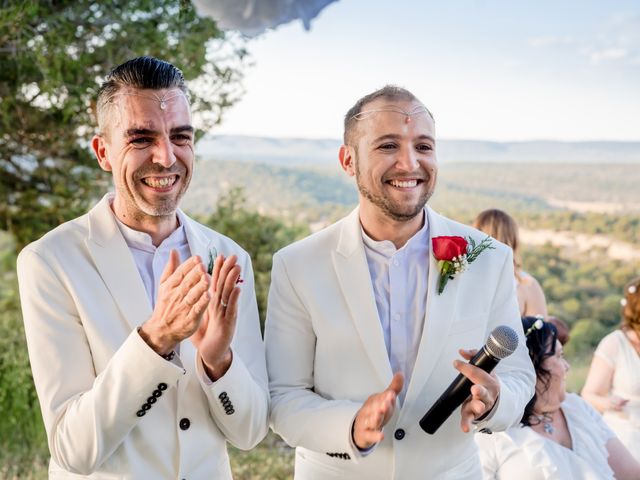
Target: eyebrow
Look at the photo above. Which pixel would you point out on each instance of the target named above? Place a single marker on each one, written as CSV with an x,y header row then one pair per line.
x,y
150,132
393,136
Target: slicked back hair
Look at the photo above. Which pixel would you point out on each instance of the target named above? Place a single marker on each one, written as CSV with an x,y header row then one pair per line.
x,y
141,73
389,92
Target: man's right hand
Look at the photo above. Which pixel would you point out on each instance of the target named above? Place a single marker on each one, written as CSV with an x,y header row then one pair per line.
x,y
183,296
375,413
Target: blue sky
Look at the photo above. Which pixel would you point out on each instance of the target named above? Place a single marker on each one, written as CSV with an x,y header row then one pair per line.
x,y
488,70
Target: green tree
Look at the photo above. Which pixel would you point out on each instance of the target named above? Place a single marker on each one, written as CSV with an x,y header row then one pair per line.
x,y
23,443
261,236
52,58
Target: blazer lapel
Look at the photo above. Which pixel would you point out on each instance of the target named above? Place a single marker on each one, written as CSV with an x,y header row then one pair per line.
x,y
440,310
350,263
116,265
199,243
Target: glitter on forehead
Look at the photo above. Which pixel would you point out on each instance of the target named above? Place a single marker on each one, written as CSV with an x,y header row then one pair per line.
x,y
162,100
417,110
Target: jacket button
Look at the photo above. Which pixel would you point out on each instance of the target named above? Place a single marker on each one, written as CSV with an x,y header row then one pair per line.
x,y
185,424
399,434
141,413
162,386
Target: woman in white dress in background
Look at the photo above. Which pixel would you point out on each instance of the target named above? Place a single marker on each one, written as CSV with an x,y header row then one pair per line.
x,y
561,436
613,382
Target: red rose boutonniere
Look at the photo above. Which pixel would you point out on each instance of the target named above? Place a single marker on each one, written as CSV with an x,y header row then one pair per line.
x,y
454,254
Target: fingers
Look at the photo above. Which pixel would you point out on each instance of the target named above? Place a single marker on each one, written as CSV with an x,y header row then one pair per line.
x,y
202,297
229,268
475,406
397,382
473,373
172,264
176,277
483,393
375,413
215,274
226,273
232,303
468,354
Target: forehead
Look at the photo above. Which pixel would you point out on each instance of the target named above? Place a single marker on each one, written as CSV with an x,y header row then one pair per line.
x,y
151,108
387,119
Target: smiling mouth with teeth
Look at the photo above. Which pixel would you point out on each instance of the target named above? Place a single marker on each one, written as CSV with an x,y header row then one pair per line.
x,y
160,182
413,182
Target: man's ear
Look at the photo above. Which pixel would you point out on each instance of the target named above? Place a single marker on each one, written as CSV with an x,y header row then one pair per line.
x,y
347,159
98,144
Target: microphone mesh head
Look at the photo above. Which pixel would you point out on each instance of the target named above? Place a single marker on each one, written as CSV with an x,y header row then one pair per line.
x,y
502,342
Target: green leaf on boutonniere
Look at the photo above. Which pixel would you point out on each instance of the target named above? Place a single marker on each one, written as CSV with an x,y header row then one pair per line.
x,y
212,258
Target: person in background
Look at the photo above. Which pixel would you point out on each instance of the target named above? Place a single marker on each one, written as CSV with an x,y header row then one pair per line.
x,y
560,436
504,228
146,359
613,382
561,327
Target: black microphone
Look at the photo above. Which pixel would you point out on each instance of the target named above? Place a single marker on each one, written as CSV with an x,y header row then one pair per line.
x,y
502,342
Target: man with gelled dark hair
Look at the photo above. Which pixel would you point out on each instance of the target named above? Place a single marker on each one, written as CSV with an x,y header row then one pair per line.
x,y
142,324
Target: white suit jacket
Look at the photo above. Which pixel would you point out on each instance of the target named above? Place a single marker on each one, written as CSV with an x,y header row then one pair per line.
x,y
326,354
82,301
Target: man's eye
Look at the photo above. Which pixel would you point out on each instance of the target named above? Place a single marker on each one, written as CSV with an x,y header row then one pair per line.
x,y
425,147
387,146
181,139
141,140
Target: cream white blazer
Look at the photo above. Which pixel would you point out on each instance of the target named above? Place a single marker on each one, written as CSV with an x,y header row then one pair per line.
x,y
326,355
82,301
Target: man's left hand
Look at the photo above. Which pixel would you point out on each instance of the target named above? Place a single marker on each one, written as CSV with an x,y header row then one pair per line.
x,y
213,337
484,391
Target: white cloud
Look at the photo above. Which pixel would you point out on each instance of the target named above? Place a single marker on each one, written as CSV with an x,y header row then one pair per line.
x,y
607,54
551,41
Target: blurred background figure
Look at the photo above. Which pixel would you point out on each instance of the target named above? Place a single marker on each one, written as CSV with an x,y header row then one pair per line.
x,y
561,436
561,327
504,228
613,382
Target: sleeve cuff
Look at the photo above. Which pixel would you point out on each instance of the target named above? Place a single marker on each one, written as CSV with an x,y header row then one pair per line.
x,y
361,452
480,424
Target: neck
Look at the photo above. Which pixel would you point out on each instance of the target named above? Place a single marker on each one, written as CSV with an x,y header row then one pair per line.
x,y
546,408
157,227
380,227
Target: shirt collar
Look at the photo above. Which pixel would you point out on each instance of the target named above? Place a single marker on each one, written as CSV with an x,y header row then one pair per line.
x,y
142,240
386,248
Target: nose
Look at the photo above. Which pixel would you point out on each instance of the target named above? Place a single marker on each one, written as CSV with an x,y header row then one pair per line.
x,y
567,366
407,160
163,153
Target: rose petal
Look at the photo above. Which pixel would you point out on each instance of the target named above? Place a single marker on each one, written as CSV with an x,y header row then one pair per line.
x,y
448,247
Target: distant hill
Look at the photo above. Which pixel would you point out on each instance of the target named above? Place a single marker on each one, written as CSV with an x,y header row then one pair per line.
x,y
323,152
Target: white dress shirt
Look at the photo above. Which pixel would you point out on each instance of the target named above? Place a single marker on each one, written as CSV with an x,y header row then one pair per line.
x,y
399,278
151,260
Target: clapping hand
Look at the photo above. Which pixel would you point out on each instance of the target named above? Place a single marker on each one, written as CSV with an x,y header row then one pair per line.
x,y
374,414
215,332
183,298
